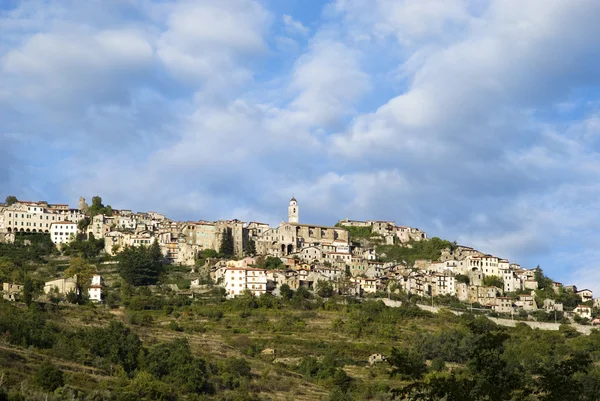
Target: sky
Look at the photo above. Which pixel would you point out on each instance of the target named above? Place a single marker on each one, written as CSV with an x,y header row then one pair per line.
x,y
476,121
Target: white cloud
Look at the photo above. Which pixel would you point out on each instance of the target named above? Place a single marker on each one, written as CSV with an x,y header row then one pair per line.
x,y
329,82
410,22
176,112
295,27
75,67
207,42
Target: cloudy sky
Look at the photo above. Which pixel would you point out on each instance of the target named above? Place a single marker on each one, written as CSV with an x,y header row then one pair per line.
x,y
478,121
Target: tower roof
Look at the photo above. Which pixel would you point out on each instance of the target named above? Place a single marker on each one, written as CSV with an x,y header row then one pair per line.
x,y
293,199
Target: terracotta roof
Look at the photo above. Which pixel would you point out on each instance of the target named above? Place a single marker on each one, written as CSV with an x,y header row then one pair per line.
x,y
245,268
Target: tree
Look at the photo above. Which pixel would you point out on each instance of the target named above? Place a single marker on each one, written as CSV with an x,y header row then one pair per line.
x,y
461,278
28,291
272,262
98,208
286,292
324,289
49,377
493,378
11,200
542,281
82,272
227,246
141,265
83,223
204,255
558,381
250,248
407,364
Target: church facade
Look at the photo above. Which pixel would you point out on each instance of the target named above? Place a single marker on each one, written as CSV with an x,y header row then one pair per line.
x,y
291,236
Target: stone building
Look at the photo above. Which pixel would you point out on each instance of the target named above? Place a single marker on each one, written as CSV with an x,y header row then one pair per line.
x,y
209,235
291,237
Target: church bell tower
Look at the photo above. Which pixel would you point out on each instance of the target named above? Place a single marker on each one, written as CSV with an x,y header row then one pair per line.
x,y
293,211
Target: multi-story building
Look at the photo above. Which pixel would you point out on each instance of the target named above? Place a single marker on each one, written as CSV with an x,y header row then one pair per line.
x,y
28,217
63,232
100,226
239,279
445,284
95,290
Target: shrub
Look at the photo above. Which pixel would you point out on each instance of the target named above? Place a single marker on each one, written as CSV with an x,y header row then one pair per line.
x,y
49,377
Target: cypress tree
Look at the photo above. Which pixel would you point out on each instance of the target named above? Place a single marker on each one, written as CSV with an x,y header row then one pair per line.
x,y
227,247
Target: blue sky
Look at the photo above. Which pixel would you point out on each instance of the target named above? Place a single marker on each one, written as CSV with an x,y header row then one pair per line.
x,y
477,121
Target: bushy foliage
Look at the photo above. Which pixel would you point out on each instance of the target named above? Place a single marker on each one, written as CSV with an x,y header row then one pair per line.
x,y
10,200
28,247
98,208
141,265
227,246
493,281
359,232
49,377
426,249
174,363
83,248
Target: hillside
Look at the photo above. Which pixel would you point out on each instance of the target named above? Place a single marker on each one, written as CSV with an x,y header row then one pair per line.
x,y
154,342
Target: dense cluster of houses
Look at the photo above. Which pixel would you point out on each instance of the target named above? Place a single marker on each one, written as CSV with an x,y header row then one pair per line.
x,y
309,254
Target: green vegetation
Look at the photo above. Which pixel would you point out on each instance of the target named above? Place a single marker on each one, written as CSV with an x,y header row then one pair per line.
x,y
84,223
227,247
87,249
427,249
153,343
270,262
250,248
461,278
10,200
98,208
493,281
28,248
141,265
359,232
49,377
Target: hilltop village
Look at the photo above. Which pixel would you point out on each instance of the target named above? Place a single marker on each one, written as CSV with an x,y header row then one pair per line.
x,y
352,258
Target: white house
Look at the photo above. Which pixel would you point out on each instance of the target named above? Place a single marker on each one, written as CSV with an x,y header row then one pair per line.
x,y
583,311
95,290
63,232
239,279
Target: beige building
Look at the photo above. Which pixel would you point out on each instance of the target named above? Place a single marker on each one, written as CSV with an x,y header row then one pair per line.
x,y
586,295
527,302
61,285
12,292
100,226
31,217
289,238
209,235
239,279
503,305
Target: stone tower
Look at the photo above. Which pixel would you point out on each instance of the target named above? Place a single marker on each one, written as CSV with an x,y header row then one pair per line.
x,y
82,206
293,211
